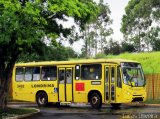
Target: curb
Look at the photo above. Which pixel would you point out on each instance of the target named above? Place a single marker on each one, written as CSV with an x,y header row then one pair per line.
x,y
141,104
21,102
28,115
154,105
22,115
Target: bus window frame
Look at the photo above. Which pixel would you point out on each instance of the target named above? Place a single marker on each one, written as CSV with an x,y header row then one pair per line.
x,y
141,72
55,70
22,74
32,73
120,73
99,78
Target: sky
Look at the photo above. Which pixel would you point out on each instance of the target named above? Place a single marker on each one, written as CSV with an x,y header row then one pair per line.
x,y
117,11
117,8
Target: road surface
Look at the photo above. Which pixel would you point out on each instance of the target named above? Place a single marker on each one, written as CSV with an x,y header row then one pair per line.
x,y
82,111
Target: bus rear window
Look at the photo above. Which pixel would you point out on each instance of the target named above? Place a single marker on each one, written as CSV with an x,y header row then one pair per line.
x,y
19,74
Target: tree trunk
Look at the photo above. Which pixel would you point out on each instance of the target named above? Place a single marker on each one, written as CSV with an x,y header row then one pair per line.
x,y
86,44
96,48
2,94
4,86
6,69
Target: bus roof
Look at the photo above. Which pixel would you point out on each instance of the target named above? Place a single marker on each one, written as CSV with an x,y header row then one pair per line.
x,y
84,61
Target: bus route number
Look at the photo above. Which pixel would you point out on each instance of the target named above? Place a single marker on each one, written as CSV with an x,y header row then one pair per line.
x,y
20,86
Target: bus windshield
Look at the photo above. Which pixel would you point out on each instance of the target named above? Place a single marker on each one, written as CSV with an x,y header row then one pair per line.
x,y
133,75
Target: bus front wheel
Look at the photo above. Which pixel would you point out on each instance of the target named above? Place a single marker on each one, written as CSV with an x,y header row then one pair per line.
x,y
42,99
95,100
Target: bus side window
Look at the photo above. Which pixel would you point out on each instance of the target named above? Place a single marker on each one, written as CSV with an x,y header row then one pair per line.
x,y
61,76
91,72
49,73
77,72
19,74
107,75
36,73
69,76
112,75
119,82
28,74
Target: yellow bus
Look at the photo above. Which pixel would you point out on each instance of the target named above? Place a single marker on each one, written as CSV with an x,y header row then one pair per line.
x,y
103,81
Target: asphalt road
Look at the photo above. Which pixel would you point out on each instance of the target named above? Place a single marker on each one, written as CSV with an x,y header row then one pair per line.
x,y
86,112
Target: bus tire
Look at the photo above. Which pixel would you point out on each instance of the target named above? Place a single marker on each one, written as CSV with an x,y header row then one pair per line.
x,y
42,99
95,100
115,105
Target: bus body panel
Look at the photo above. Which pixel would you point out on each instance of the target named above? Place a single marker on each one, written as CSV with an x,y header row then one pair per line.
x,y
83,87
119,95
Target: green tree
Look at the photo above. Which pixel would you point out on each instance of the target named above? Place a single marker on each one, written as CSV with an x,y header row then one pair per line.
x,y
154,38
24,24
97,30
49,53
102,25
127,47
112,47
140,16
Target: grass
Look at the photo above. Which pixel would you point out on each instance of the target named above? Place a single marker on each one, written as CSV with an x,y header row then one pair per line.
x,y
11,112
152,101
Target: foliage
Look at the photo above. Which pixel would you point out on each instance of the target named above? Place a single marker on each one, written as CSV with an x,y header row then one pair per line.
x,y
141,16
127,47
96,32
100,55
50,54
112,48
102,26
154,37
25,24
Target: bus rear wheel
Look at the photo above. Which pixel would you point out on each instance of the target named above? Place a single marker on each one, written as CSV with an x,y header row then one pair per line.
x,y
95,100
42,99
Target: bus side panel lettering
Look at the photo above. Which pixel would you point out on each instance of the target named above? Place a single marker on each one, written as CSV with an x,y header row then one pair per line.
x,y
42,85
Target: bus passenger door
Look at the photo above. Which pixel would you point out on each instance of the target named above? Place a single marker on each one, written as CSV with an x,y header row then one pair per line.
x,y
110,87
65,84
107,79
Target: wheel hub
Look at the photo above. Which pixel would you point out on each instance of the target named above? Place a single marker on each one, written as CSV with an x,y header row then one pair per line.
x,y
94,100
41,100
